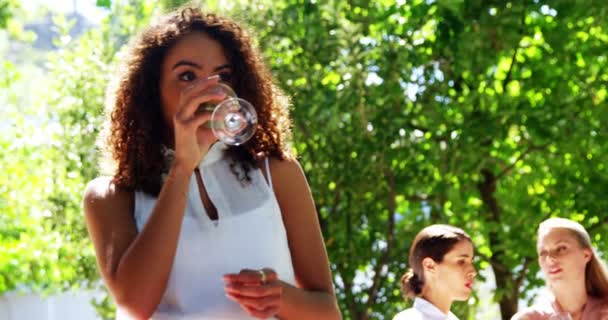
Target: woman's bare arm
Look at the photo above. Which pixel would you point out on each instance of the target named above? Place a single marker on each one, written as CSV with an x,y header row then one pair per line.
x,y
314,297
135,266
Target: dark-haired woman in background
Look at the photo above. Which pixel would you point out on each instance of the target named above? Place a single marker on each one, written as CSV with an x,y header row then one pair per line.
x,y
441,272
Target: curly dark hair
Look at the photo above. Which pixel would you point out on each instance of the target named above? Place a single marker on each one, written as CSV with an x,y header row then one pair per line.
x,y
134,127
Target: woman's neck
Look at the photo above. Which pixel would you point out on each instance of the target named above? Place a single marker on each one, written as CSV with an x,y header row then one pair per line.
x,y
439,300
572,298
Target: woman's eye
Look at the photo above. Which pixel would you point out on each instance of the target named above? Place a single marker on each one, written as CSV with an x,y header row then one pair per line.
x,y
561,249
225,77
187,76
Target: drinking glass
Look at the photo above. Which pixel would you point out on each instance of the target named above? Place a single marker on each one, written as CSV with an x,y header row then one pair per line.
x,y
233,120
561,316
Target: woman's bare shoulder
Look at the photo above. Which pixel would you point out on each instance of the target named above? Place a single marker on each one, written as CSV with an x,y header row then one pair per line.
x,y
285,168
101,195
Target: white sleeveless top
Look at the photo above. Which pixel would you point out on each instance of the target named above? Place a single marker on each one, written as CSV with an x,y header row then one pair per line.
x,y
424,310
249,233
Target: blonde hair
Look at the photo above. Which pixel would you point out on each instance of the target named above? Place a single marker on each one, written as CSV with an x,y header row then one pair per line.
x,y
596,273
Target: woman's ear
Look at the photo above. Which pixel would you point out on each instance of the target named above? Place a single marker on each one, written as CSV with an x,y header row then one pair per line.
x,y
428,265
587,254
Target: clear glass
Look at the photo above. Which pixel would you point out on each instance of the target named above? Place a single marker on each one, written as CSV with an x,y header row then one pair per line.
x,y
561,316
233,120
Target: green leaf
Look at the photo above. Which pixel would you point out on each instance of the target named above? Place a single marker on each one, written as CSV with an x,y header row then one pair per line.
x,y
104,3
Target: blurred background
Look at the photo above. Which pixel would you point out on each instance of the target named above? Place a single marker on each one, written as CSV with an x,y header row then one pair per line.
x,y
489,115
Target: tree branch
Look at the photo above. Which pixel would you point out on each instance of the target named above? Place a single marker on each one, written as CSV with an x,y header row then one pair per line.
x,y
524,271
495,265
420,197
507,79
373,290
332,211
521,156
348,291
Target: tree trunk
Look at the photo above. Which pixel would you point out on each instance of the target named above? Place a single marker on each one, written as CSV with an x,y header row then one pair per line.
x,y
508,302
502,275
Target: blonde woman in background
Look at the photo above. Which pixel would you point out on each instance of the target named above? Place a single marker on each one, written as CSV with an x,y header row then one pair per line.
x,y
576,277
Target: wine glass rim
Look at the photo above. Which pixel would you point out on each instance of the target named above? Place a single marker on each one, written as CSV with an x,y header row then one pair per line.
x,y
230,93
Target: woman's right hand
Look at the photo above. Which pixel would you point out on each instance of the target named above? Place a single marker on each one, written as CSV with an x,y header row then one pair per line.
x,y
192,137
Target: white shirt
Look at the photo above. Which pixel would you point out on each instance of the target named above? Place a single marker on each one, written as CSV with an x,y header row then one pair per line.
x,y
424,310
249,233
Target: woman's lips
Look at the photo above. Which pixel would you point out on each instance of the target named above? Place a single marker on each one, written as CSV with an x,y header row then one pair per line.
x,y
554,271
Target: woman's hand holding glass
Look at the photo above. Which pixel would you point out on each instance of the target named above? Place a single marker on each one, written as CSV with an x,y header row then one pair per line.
x,y
192,137
233,120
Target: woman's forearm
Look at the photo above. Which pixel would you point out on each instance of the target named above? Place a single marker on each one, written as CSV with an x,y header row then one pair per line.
x,y
140,279
302,304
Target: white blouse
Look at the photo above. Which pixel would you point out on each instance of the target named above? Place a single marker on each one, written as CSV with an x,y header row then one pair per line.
x,y
249,233
424,310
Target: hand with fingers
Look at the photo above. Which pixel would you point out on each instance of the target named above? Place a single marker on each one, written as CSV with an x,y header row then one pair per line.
x,y
192,137
258,292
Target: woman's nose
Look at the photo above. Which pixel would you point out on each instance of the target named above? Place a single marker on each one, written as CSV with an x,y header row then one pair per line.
x,y
472,273
551,259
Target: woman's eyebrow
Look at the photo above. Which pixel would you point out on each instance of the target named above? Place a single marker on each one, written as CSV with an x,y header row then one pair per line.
x,y
553,244
224,66
186,63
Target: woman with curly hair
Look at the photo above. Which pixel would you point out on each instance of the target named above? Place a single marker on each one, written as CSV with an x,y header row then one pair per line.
x,y
441,272
186,226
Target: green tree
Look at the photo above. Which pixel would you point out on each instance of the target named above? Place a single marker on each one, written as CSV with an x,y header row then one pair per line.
x,y
50,139
6,13
483,114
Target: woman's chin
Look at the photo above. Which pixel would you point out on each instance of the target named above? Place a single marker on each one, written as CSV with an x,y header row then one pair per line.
x,y
463,296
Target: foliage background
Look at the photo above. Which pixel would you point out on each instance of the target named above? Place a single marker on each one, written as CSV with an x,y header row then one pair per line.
x,y
489,115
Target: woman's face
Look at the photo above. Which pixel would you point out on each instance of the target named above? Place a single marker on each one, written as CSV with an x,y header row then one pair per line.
x,y
194,56
455,274
561,257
